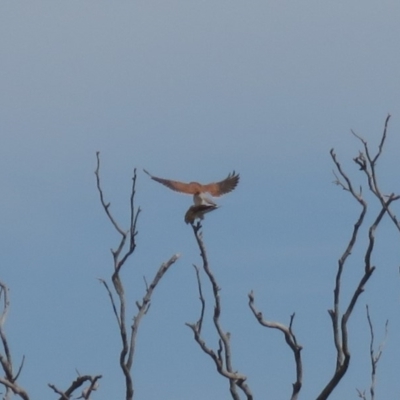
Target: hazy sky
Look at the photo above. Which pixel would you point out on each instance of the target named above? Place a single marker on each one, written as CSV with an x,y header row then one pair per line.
x,y
191,91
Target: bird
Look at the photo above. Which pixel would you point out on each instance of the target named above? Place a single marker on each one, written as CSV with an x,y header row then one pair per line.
x,y
215,189
197,212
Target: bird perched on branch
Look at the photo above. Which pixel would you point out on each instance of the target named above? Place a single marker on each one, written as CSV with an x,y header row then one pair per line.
x,y
215,189
197,212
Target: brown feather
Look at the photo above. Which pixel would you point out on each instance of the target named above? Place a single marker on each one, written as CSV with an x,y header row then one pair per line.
x,y
175,185
216,189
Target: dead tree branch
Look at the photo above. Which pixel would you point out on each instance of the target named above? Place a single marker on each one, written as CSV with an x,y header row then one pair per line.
x,y
9,381
223,356
374,356
367,164
76,384
291,340
118,300
361,394
339,322
201,298
144,306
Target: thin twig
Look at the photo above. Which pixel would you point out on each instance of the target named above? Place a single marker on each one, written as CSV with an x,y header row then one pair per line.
x,y
382,140
144,305
110,295
361,394
201,298
105,205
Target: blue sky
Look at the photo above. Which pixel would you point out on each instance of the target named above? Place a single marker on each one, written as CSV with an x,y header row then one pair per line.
x,y
192,91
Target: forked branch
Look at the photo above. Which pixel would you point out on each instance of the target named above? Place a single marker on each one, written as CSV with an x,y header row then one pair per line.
x,y
222,357
134,214
144,305
76,384
123,251
374,357
290,339
367,163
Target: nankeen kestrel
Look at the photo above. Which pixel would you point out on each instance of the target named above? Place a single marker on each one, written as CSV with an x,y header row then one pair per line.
x,y
198,190
197,212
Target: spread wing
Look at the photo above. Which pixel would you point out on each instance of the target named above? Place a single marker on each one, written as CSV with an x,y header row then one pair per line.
x,y
174,185
217,189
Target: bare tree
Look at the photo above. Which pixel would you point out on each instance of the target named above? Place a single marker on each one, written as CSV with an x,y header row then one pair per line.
x,y
120,255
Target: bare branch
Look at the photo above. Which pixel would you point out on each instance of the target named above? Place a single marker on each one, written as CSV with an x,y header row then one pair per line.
x,y
9,381
20,368
5,360
134,215
348,185
119,261
77,383
16,389
112,301
199,323
105,205
369,269
290,339
223,357
361,394
58,391
382,140
335,313
144,305
340,325
91,388
367,163
375,356
128,338
133,222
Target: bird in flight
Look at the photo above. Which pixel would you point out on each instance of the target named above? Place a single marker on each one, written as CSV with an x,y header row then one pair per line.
x,y
215,189
197,212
